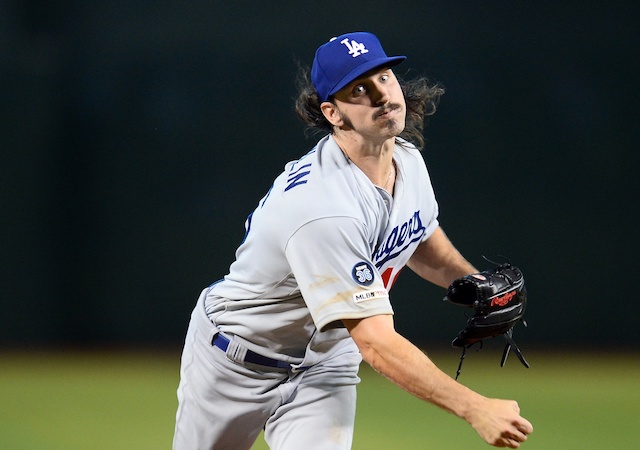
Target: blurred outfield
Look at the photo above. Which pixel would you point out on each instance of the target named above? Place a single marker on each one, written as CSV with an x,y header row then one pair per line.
x,y
101,400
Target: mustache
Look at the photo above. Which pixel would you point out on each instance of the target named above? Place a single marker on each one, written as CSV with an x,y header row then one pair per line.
x,y
386,108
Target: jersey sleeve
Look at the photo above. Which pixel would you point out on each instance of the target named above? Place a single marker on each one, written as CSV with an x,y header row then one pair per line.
x,y
330,259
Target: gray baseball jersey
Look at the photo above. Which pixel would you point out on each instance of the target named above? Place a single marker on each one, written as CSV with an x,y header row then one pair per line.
x,y
324,244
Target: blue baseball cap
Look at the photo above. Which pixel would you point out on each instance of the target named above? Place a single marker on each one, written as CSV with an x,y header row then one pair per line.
x,y
345,58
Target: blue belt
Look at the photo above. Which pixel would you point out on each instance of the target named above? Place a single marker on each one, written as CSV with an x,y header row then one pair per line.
x,y
222,343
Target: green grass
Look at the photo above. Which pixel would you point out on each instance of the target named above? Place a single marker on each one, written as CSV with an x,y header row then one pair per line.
x,y
67,401
87,401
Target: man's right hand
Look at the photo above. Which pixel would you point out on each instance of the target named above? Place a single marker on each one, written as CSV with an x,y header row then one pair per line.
x,y
499,423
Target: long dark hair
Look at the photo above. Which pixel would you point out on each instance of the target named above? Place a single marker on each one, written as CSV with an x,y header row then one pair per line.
x,y
420,94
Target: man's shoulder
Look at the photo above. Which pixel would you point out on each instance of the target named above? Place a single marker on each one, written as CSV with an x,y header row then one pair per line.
x,y
322,184
406,149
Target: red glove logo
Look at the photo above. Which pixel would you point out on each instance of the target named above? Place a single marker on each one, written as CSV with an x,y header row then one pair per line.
x,y
503,299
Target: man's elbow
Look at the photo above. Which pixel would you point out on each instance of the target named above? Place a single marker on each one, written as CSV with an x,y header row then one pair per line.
x,y
372,335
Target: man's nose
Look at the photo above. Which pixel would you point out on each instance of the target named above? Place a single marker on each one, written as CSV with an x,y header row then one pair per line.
x,y
380,94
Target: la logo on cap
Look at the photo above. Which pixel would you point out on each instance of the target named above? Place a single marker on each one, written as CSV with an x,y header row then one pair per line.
x,y
355,48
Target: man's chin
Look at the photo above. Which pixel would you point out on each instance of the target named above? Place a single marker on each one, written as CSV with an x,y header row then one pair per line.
x,y
394,128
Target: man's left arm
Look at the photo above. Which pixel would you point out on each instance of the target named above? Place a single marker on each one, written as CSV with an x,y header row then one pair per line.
x,y
438,261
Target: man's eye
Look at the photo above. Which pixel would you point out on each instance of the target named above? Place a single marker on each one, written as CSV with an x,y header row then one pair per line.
x,y
384,78
359,89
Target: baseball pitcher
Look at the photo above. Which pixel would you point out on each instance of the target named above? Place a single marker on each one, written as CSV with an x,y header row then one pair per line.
x,y
276,344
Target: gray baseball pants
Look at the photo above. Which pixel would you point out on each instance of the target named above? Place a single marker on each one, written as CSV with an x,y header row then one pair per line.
x,y
224,404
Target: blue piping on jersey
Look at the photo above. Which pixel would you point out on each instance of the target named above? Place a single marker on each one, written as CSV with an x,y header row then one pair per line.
x,y
247,227
215,282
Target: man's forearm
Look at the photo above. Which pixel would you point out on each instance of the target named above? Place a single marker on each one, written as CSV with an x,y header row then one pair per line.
x,y
413,371
438,261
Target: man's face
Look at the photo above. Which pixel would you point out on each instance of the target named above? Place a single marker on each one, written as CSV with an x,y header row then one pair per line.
x,y
372,105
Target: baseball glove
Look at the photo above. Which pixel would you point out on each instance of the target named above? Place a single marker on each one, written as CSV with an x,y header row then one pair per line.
x,y
498,298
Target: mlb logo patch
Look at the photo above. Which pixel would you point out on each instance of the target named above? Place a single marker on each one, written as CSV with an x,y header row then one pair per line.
x,y
369,295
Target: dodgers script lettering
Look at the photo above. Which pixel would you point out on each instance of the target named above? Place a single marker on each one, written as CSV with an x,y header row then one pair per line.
x,y
399,239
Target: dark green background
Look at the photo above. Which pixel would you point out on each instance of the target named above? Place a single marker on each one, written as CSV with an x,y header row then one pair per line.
x,y
137,136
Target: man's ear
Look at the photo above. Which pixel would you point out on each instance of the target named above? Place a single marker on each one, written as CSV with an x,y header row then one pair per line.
x,y
331,113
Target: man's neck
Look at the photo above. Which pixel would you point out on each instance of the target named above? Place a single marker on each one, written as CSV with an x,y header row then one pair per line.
x,y
374,159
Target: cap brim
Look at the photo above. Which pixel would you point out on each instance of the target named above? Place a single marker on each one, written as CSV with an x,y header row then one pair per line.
x,y
364,68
